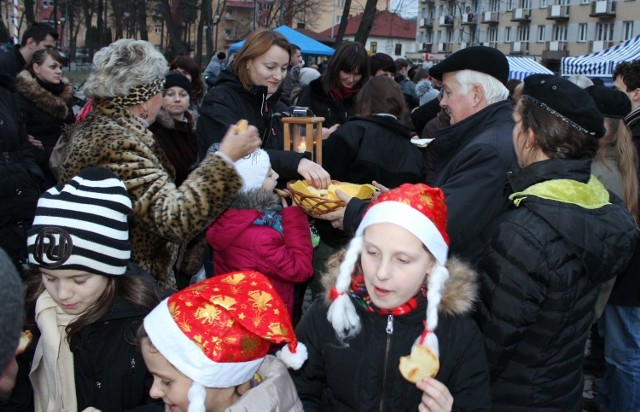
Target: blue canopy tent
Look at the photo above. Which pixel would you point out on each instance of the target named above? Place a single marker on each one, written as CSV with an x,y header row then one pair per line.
x,y
308,46
603,62
521,67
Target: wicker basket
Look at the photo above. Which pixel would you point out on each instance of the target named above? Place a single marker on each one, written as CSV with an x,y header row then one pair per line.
x,y
313,204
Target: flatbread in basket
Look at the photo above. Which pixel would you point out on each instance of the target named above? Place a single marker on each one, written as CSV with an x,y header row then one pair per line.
x,y
316,202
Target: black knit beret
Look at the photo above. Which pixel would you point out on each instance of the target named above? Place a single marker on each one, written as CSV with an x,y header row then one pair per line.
x,y
482,59
175,79
565,100
610,102
381,61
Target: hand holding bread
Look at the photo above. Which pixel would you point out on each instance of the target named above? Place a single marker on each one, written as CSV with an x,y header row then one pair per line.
x,y
240,140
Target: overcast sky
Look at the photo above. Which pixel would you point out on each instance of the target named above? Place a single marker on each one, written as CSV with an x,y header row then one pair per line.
x,y
407,8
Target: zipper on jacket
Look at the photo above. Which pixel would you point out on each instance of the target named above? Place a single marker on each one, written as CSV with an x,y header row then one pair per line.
x,y
389,330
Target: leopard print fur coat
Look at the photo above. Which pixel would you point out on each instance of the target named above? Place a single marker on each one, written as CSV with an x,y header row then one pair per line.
x,y
165,217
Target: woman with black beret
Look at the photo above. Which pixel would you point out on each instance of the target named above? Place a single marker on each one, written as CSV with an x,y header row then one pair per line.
x,y
563,236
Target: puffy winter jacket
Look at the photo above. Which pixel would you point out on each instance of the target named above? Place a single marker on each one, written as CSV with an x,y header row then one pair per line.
x,y
540,278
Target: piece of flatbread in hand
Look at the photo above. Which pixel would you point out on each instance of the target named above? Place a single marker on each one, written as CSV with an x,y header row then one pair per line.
x,y
422,362
242,125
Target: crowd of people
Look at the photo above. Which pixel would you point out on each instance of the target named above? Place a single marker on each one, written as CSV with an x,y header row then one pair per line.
x,y
158,266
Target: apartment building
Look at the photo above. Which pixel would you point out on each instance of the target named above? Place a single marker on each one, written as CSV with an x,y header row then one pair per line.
x,y
544,29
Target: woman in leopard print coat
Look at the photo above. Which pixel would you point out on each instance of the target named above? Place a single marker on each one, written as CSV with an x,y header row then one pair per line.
x,y
126,83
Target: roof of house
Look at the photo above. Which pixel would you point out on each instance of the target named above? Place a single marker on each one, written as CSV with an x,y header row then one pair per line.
x,y
315,36
386,24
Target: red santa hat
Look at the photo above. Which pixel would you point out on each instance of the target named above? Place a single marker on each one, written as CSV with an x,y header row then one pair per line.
x,y
419,209
217,332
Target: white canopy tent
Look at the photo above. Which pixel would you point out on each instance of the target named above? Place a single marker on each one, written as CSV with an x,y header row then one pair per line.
x,y
602,63
521,67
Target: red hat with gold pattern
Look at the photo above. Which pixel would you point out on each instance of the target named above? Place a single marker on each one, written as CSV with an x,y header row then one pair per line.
x,y
217,332
421,210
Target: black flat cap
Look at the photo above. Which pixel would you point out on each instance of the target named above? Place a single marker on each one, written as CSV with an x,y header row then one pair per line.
x,y
381,61
566,101
610,102
479,58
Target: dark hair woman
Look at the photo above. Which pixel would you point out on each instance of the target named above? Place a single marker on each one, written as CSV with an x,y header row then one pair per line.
x,y
563,237
250,89
188,67
45,100
332,95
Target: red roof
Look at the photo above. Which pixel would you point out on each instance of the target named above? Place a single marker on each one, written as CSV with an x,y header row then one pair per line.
x,y
240,4
386,24
315,36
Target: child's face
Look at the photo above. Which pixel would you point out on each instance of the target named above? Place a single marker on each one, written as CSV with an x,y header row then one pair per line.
x,y
270,181
73,290
169,384
394,264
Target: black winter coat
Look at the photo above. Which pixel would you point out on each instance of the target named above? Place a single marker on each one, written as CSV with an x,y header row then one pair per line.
x,y
474,156
110,373
12,62
321,104
362,376
44,113
228,102
540,279
20,177
364,149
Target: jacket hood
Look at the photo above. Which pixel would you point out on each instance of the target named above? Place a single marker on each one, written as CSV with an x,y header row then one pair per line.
x,y
57,106
423,87
578,207
388,123
458,296
245,208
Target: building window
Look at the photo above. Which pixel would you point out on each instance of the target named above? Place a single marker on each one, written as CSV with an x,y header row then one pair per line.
x,y
541,34
560,32
507,34
373,47
564,2
627,30
494,5
338,19
449,36
604,31
510,5
525,4
523,33
439,37
543,4
398,50
585,1
492,35
341,4
582,32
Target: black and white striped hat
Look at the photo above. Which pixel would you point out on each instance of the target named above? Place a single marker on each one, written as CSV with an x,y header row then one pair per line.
x,y
83,225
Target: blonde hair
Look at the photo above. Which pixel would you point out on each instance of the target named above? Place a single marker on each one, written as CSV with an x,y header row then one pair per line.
x,y
618,139
123,65
494,90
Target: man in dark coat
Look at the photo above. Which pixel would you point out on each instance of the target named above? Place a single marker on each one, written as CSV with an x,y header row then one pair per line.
x,y
36,37
474,153
20,178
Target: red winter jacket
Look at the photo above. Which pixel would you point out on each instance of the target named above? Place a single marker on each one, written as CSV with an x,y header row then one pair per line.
x,y
239,244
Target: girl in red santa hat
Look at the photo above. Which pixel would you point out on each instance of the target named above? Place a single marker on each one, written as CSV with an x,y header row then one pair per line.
x,y
395,271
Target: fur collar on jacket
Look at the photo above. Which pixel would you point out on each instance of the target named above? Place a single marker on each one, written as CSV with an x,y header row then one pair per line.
x,y
57,106
459,294
165,120
255,199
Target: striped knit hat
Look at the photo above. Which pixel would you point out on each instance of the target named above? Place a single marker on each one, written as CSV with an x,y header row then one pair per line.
x,y
83,225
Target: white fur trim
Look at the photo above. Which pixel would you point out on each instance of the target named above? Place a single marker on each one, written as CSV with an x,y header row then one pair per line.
x,y
293,360
188,358
410,219
197,395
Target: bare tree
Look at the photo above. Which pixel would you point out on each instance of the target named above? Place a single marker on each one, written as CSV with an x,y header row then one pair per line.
x,y
366,23
343,23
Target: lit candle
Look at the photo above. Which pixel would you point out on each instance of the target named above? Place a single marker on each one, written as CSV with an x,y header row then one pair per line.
x,y
302,147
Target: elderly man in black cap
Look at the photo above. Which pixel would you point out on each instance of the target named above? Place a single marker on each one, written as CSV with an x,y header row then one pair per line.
x,y
473,154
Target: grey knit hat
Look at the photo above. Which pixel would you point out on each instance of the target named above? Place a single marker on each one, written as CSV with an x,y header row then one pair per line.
x,y
83,225
11,301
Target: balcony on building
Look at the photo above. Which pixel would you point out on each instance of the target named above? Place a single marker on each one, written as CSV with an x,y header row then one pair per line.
x,y
446,20
426,22
521,14
444,48
599,45
557,12
493,44
468,19
555,50
490,17
520,48
426,47
603,9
